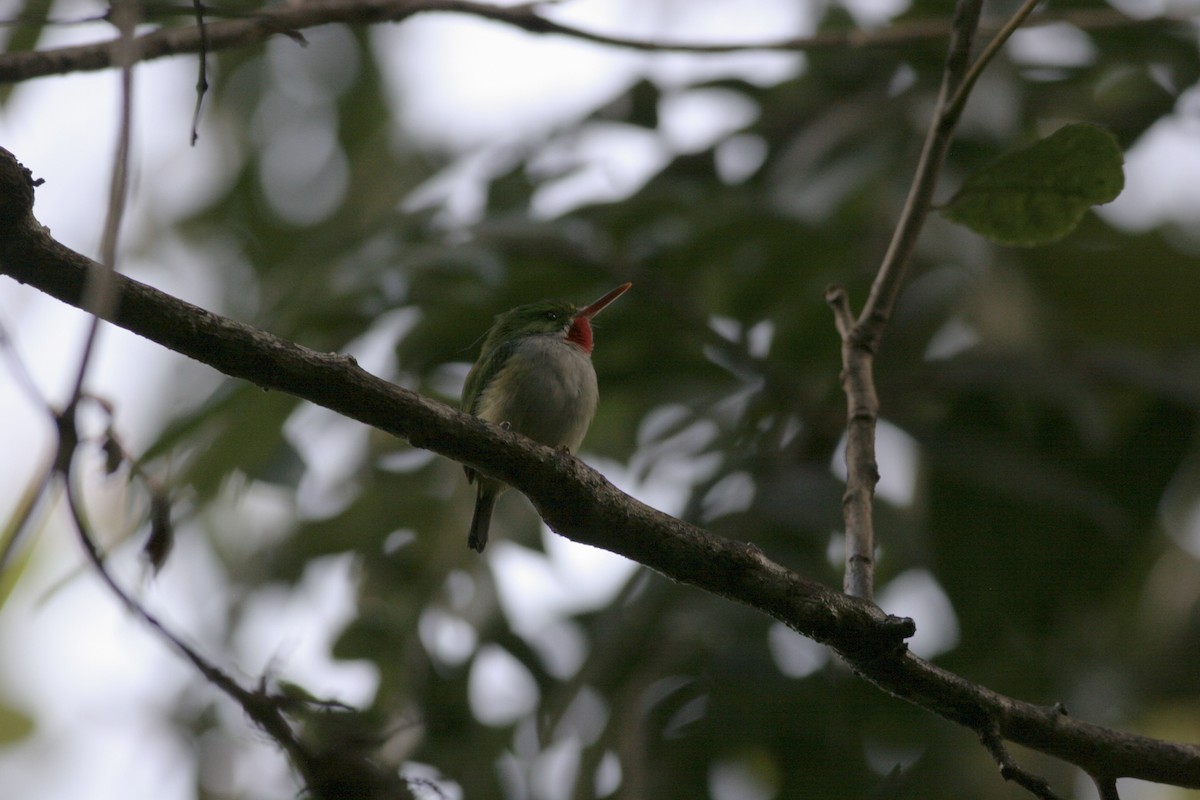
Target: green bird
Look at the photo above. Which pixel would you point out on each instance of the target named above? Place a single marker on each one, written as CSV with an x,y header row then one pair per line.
x,y
534,375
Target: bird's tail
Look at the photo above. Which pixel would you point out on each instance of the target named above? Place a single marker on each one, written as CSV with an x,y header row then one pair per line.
x,y
485,501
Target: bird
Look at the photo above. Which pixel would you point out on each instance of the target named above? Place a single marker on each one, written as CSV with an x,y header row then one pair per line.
x,y
534,375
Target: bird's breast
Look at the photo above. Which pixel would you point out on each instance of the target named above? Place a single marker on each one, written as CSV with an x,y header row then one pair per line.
x,y
546,390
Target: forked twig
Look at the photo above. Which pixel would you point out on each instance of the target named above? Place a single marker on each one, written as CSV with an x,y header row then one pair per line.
x,y
862,337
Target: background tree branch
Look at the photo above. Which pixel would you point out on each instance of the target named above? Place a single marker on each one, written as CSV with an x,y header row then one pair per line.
x,y
861,338
222,32
580,504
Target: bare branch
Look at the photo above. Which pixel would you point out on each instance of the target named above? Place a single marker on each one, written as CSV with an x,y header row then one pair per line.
x,y
99,292
839,303
323,774
860,342
684,552
288,19
579,503
955,106
886,288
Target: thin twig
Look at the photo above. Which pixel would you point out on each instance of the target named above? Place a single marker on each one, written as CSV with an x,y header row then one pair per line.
x,y
8,348
259,706
100,290
326,773
959,77
1010,770
100,295
202,78
886,287
36,495
322,773
955,106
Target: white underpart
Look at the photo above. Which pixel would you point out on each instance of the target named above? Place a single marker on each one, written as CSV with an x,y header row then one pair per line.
x,y
546,390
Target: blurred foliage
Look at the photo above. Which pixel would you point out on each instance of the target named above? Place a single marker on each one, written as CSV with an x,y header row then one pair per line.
x,y
1051,394
15,725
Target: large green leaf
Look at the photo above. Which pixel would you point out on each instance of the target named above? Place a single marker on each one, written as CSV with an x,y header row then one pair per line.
x,y
1039,194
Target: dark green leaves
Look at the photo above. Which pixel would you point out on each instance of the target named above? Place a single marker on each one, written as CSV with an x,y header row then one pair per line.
x,y
1039,194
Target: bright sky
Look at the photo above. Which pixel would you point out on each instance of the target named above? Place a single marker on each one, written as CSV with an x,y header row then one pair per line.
x,y
96,682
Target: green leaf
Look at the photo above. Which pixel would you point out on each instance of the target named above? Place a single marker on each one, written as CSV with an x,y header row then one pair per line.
x,y
1039,194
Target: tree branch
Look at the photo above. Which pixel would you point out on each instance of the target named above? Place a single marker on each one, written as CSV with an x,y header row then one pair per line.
x,y
573,499
98,295
579,503
861,340
326,773
862,337
290,19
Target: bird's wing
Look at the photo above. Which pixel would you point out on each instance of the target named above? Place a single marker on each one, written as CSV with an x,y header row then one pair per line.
x,y
481,374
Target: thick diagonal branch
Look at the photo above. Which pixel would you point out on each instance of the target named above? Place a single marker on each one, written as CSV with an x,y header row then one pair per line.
x,y
579,503
573,499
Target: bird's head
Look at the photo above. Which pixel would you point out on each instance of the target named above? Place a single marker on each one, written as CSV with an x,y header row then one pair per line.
x,y
549,317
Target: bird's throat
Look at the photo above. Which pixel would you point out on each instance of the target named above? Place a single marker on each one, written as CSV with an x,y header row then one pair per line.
x,y
580,333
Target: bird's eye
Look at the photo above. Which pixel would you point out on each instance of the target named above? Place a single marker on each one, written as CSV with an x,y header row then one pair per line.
x,y
552,315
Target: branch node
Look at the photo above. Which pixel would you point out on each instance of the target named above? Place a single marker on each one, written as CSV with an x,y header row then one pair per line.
x,y
903,627
839,302
68,439
1054,712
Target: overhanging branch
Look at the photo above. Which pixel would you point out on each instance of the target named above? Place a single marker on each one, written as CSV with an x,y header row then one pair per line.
x,y
579,503
290,19
573,499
